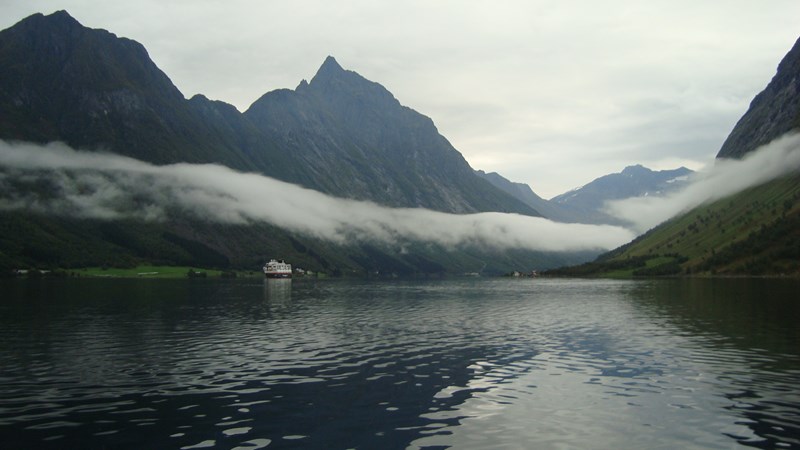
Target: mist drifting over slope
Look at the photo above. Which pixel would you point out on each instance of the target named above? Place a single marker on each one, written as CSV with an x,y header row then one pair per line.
x,y
55,179
726,177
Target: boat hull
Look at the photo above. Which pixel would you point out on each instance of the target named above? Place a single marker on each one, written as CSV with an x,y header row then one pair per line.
x,y
277,275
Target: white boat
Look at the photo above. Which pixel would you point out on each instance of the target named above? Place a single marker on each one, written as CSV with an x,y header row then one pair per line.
x,y
277,269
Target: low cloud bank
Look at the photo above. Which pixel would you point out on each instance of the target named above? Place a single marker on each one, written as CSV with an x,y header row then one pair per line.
x,y
55,179
725,178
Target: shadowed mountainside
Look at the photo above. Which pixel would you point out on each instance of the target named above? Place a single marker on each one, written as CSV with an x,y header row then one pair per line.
x,y
772,113
341,134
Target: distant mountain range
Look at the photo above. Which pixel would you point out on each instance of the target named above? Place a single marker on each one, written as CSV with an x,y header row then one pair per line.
x,y
586,203
753,232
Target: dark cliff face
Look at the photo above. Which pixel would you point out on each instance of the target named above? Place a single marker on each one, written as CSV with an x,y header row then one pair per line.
x,y
357,140
83,58
772,113
73,78
93,90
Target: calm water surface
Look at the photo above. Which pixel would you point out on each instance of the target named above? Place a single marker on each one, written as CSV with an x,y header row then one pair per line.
x,y
404,364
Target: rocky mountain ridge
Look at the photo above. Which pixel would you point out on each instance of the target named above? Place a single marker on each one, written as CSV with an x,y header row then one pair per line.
x,y
586,203
354,138
772,113
340,134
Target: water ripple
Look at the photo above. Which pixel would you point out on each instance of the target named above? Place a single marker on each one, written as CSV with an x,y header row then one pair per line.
x,y
470,364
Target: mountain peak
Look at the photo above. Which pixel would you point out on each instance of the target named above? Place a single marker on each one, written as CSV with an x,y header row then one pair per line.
x,y
329,69
637,168
55,70
330,62
84,58
59,18
344,87
62,15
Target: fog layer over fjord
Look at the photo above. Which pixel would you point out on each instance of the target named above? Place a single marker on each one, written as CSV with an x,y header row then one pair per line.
x,y
55,179
726,177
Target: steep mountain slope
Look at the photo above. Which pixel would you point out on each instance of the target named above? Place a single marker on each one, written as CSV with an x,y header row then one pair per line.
x,y
585,204
356,140
30,240
90,89
340,134
772,113
754,232
550,210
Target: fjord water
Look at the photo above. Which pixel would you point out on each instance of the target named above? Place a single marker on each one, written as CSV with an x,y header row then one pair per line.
x,y
468,363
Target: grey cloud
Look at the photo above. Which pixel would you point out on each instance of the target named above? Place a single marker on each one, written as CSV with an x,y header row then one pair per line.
x,y
725,178
106,186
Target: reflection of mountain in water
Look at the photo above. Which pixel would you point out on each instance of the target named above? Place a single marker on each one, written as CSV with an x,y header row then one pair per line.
x,y
360,364
607,364
748,313
750,325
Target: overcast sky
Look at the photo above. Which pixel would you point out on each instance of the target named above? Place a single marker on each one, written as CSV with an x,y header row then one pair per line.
x,y
548,93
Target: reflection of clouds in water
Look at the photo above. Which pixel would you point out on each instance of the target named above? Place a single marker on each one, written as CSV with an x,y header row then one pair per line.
x,y
560,397
625,371
460,363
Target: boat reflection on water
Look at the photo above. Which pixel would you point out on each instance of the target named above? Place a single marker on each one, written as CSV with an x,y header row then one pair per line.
x,y
278,290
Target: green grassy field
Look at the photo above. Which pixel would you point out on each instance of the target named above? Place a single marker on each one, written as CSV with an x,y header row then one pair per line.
x,y
723,222
755,232
157,272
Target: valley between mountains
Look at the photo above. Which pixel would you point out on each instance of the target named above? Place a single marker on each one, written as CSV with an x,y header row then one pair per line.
x,y
104,162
